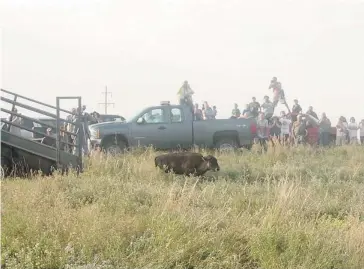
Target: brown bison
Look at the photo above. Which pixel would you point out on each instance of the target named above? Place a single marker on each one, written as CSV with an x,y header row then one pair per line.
x,y
186,163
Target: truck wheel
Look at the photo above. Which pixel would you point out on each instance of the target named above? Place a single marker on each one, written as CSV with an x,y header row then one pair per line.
x,y
115,147
227,144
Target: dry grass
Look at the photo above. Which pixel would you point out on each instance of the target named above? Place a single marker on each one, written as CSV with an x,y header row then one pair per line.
x,y
301,208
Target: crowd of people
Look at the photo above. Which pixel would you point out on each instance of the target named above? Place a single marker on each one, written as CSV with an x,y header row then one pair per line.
x,y
291,127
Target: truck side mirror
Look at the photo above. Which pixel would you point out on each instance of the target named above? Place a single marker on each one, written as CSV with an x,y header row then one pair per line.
x,y
140,120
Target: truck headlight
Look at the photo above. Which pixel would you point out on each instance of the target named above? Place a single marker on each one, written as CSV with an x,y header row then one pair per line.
x,y
95,133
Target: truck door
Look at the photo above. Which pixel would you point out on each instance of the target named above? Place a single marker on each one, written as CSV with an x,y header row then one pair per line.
x,y
151,129
180,128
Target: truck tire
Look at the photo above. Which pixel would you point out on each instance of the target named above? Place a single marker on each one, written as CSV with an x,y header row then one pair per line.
x,y
227,144
113,147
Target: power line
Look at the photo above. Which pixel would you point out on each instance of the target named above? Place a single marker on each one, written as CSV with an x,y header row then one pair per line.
x,y
106,103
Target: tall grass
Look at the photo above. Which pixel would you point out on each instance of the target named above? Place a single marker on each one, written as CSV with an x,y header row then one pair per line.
x,y
298,208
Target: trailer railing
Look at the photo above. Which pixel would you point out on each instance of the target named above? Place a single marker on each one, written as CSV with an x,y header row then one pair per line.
x,y
58,130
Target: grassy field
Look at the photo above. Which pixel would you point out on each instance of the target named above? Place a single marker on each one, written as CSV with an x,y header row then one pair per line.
x,y
298,208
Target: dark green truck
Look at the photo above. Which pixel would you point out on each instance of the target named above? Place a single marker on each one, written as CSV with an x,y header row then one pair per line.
x,y
170,127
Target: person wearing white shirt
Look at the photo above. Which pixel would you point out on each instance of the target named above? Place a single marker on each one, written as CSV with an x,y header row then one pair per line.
x,y
353,131
285,128
341,131
361,131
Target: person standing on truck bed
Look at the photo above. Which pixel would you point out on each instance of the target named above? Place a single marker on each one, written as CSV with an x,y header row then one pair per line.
x,y
254,107
185,95
214,110
246,110
296,109
268,108
235,113
197,113
208,112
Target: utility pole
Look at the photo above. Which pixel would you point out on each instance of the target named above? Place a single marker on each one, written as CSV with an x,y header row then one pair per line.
x,y
106,103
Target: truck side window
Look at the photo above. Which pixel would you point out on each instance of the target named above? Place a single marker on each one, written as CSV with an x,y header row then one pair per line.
x,y
176,115
154,116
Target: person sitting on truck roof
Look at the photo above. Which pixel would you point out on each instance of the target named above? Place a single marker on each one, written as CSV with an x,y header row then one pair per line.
x,y
185,95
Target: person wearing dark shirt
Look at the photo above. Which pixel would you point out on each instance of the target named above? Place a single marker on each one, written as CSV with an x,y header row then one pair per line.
x,y
246,110
254,107
311,112
296,109
275,127
236,111
197,113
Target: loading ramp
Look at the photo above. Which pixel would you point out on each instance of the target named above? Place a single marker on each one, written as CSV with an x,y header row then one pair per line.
x,y
30,153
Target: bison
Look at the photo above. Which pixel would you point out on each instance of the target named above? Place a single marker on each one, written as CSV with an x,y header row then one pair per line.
x,y
186,163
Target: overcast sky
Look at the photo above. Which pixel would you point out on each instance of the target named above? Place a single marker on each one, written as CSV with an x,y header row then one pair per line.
x,y
228,50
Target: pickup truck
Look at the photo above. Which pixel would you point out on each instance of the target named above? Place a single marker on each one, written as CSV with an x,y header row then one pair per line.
x,y
169,127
